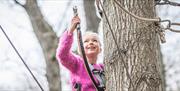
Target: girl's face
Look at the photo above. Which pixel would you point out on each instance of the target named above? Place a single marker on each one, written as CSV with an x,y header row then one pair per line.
x,y
91,45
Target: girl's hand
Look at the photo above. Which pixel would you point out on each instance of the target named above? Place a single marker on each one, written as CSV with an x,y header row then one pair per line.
x,y
74,22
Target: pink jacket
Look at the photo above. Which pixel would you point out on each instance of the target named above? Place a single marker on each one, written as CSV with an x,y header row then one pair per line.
x,y
75,64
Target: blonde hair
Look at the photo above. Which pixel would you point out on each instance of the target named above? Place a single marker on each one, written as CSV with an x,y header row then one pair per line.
x,y
85,34
92,33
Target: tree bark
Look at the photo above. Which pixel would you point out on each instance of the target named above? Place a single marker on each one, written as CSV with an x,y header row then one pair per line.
x,y
48,41
143,57
92,20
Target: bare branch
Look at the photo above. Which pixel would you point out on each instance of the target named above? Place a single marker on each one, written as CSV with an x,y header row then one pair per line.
x,y
174,3
167,2
17,2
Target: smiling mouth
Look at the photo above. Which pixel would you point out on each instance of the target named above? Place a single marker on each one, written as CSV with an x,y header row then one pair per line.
x,y
91,48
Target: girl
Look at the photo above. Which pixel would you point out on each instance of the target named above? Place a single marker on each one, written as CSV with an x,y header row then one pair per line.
x,y
75,64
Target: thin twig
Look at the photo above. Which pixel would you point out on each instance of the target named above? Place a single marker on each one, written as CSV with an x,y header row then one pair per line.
x,y
17,2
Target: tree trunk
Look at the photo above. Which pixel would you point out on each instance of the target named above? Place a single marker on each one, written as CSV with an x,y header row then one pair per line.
x,y
48,42
143,57
92,20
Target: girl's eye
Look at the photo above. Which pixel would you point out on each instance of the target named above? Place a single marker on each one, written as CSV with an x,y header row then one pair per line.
x,y
85,41
94,40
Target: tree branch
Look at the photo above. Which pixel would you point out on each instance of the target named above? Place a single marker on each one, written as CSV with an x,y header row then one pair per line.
x,y
17,2
174,3
165,2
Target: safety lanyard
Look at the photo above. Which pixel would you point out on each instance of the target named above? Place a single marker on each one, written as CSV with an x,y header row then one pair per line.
x,y
83,53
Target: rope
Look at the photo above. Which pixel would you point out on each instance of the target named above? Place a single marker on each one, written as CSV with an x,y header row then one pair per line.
x,y
135,16
80,42
22,59
152,20
85,61
155,19
119,50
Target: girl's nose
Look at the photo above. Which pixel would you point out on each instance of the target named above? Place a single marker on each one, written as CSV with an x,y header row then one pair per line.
x,y
91,42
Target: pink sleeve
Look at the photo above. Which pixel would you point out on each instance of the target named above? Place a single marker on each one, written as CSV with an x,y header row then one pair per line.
x,y
64,53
